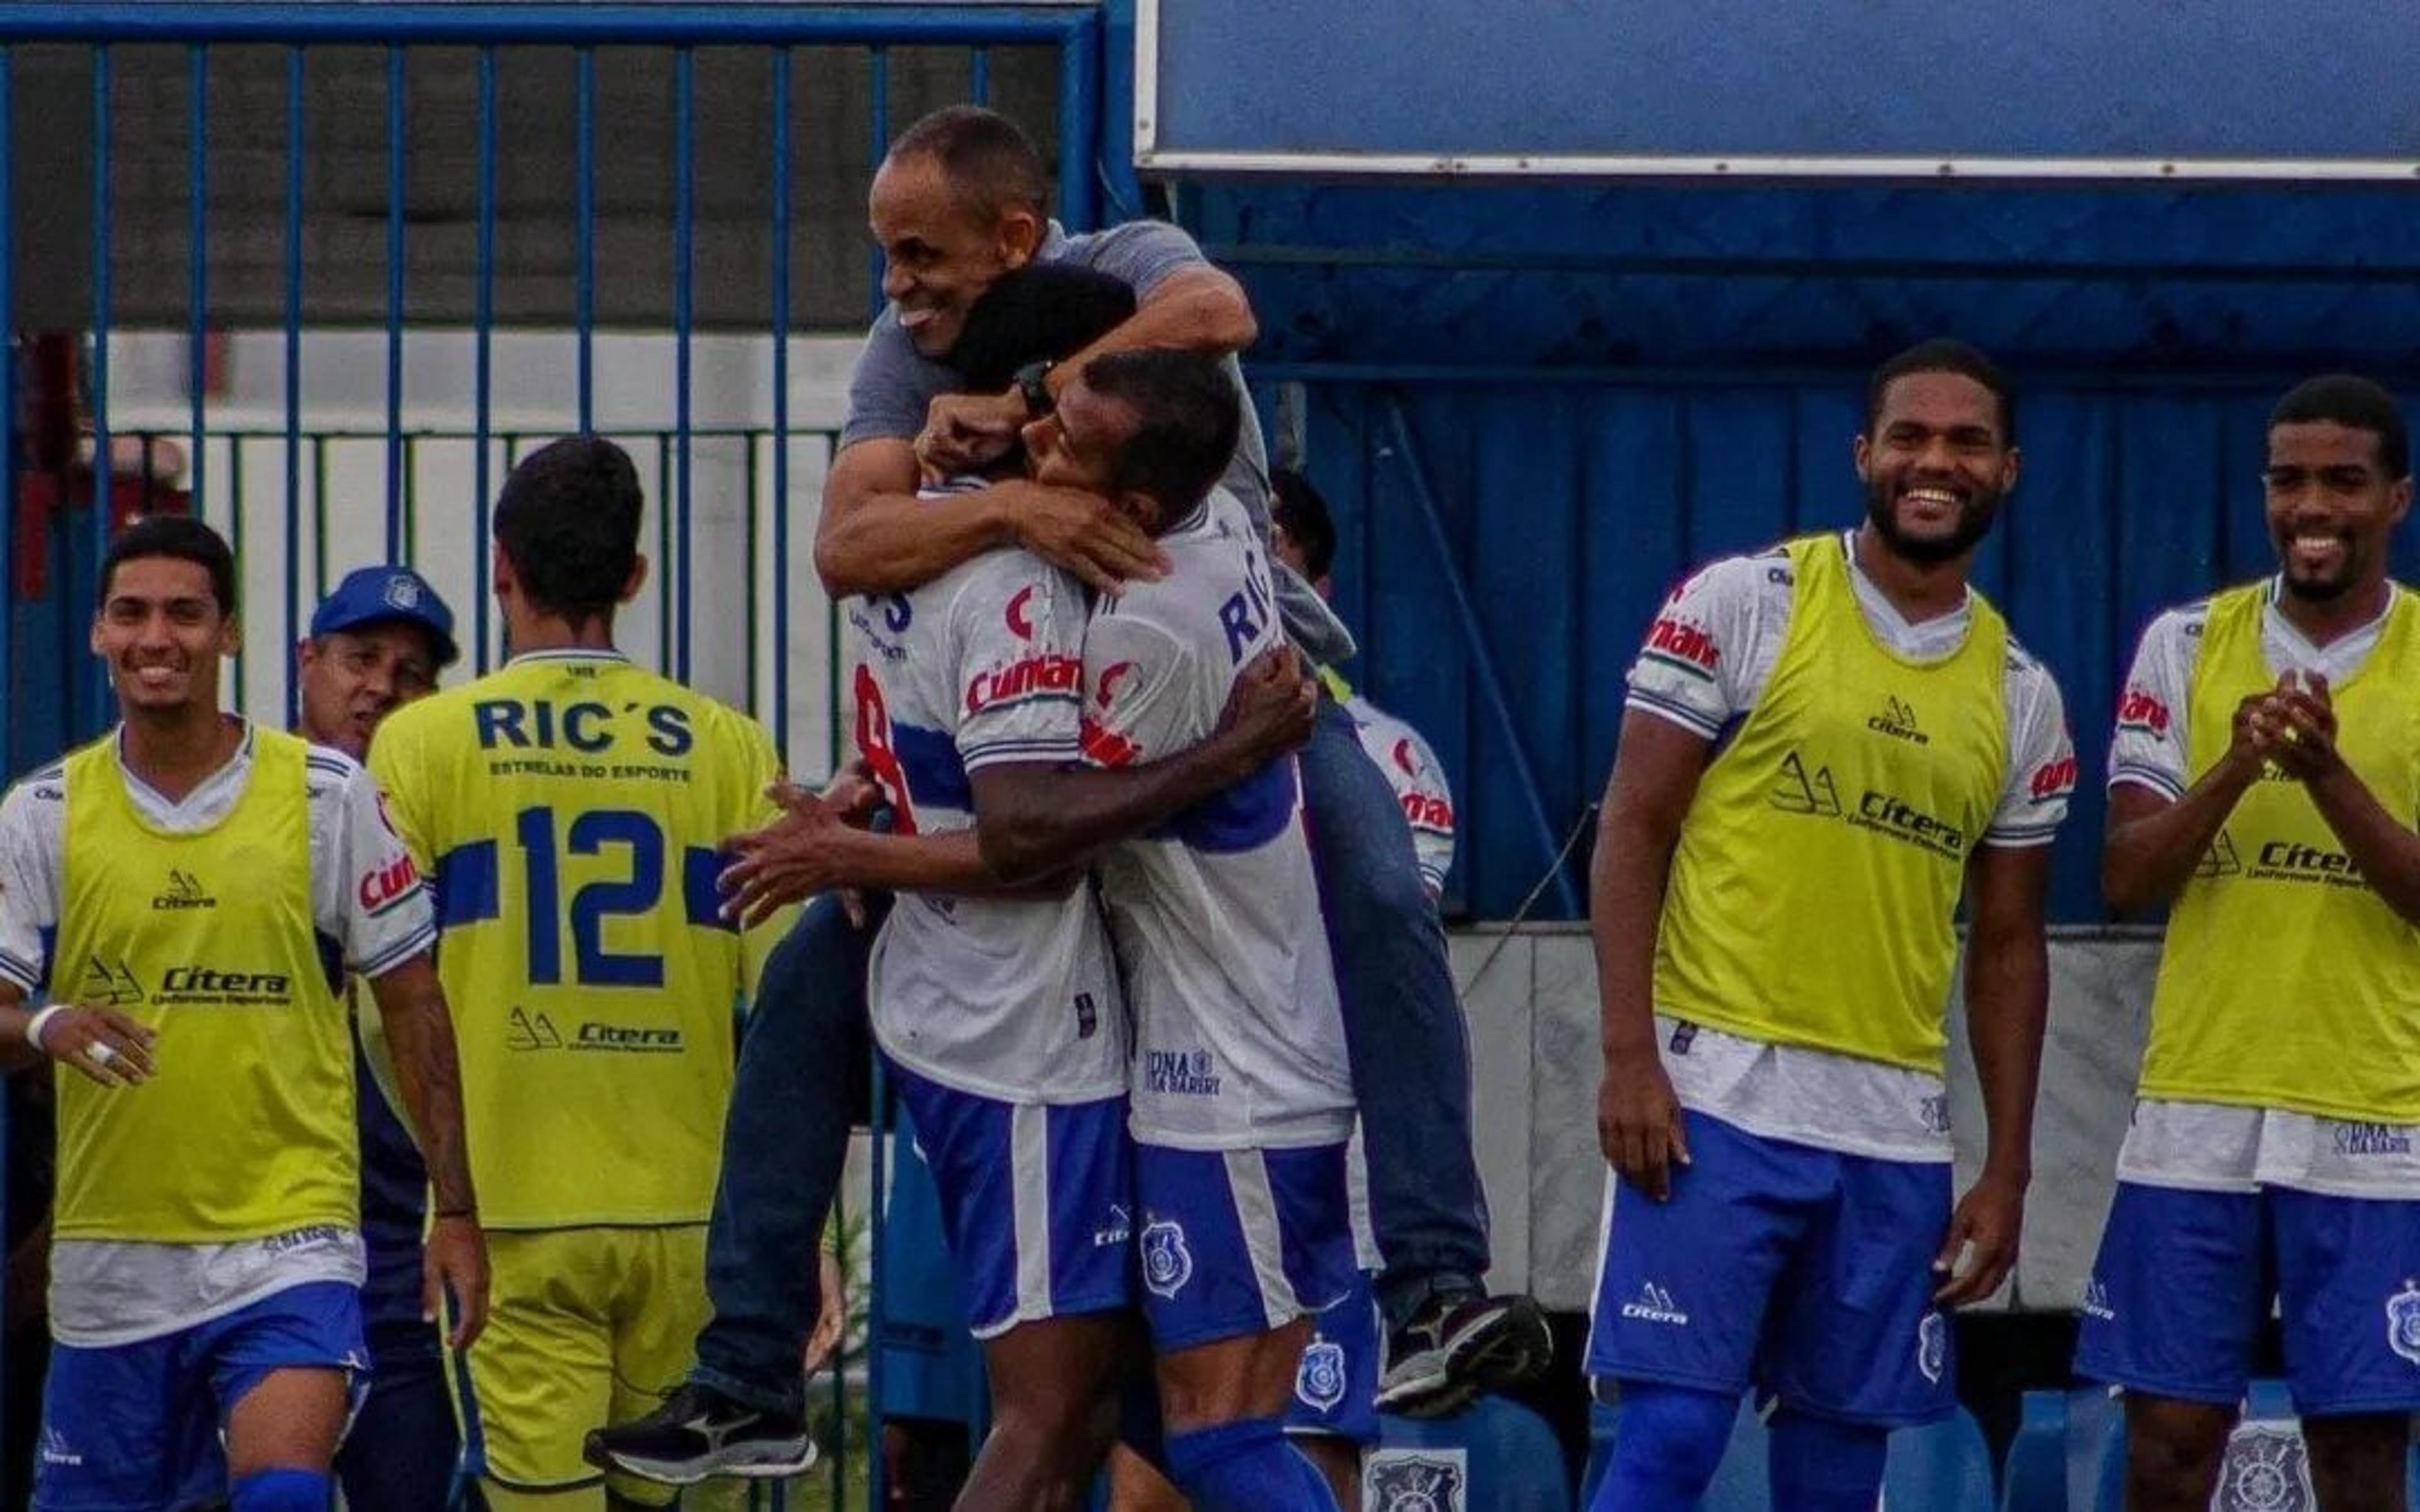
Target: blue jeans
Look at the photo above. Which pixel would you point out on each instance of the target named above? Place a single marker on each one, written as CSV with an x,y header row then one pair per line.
x,y
803,1052
1402,1023
787,1130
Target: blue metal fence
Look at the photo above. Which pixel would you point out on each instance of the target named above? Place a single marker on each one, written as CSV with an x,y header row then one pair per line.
x,y
420,499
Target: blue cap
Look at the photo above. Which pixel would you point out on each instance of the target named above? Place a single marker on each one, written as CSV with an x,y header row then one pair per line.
x,y
375,596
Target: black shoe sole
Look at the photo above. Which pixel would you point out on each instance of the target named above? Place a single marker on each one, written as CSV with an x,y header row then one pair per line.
x,y
759,1462
1507,1349
1513,1353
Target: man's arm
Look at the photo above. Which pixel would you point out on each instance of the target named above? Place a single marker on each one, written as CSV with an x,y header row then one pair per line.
x,y
2297,729
420,1033
877,537
1034,822
813,850
1036,825
1199,307
2154,842
2007,1003
1656,773
102,1043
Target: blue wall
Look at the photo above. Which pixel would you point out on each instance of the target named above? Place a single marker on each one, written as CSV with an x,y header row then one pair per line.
x,y
1591,426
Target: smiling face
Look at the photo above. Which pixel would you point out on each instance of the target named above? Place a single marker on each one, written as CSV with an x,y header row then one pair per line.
x,y
1936,466
2331,507
941,248
160,631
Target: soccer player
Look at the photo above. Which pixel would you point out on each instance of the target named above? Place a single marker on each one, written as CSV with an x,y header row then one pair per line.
x,y
376,643
570,806
1824,746
187,890
2264,782
1333,1416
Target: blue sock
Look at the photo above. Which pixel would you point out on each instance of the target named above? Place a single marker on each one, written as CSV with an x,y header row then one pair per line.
x,y
1246,1467
284,1490
1820,1464
1666,1444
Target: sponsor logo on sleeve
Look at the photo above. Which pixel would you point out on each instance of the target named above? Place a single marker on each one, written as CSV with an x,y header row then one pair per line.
x,y
2139,712
1684,645
396,879
2053,777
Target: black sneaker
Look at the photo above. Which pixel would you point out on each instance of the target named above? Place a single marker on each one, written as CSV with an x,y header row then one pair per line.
x,y
700,1432
1458,1345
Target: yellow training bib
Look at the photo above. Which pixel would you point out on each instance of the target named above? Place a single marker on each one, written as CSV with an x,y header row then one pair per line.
x,y
2285,981
248,1128
1819,865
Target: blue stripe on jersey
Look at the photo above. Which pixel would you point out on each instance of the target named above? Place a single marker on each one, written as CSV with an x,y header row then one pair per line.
x,y
1245,817
928,759
701,898
50,934
468,888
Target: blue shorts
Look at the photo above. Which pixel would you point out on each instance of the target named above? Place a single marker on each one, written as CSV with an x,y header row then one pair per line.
x,y
2185,1278
930,1365
1238,1242
1805,1272
1037,1201
1336,1386
133,1428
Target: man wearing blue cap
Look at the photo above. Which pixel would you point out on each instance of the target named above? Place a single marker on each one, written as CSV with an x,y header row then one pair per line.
x,y
376,643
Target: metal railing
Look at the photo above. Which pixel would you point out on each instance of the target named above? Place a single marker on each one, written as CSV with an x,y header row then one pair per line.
x,y
304,498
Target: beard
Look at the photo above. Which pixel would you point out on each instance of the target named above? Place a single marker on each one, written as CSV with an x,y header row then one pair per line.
x,y
1974,517
2321,589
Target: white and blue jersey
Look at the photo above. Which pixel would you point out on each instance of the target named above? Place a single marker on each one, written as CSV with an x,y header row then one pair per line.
x,y
1243,1097
1011,998
1238,1041
1002,1014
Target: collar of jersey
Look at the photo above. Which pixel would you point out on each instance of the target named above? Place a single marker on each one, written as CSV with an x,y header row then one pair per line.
x,y
2276,617
569,653
236,763
1872,598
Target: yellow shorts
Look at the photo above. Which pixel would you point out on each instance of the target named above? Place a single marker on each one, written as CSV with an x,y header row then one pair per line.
x,y
586,1327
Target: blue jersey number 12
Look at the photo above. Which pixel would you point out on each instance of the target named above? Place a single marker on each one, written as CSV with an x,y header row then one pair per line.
x,y
640,892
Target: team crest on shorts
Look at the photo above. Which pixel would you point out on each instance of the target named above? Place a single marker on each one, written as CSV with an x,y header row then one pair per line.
x,y
1166,1264
2266,1471
1320,1379
1416,1481
1931,1347
2403,1323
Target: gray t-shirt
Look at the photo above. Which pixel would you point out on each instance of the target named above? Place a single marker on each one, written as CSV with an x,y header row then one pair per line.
x,y
893,386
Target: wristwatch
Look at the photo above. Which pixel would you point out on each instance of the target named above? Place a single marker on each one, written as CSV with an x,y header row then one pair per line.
x,y
1032,387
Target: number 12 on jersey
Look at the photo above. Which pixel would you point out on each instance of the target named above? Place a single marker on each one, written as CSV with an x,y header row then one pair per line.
x,y
637,892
